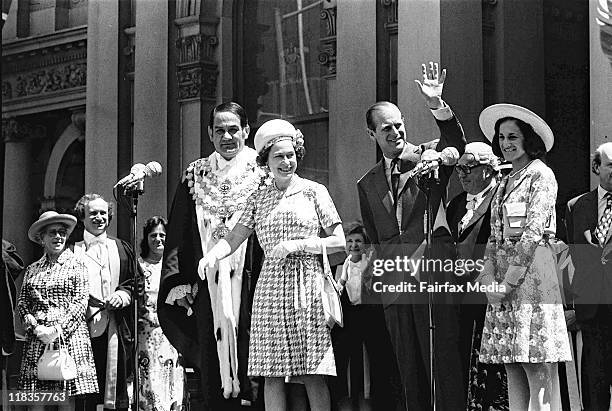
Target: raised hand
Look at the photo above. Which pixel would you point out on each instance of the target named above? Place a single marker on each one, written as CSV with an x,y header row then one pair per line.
x,y
432,85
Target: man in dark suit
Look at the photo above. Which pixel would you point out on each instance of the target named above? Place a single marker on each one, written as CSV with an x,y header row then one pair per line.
x,y
469,216
110,265
392,209
588,228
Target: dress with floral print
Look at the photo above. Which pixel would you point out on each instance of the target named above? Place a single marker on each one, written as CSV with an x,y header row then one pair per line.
x,y
161,376
528,326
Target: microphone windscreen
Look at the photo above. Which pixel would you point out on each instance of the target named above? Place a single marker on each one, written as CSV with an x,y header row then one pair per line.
x,y
450,156
137,168
153,168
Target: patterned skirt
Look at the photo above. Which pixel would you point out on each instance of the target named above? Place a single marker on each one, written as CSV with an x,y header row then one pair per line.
x,y
289,336
529,326
79,347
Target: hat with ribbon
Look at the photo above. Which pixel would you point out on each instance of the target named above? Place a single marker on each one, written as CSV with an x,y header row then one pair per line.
x,y
491,114
47,218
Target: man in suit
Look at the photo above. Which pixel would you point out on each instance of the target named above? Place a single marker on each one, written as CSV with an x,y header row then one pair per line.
x,y
392,209
207,317
588,228
469,216
110,264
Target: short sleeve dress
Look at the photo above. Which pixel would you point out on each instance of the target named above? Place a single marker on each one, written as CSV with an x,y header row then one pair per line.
x,y
289,336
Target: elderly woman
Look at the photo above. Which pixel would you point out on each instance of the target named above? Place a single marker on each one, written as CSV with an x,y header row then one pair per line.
x,y
52,306
161,375
524,325
289,335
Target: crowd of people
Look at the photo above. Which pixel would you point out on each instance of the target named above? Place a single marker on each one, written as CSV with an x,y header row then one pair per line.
x,y
233,281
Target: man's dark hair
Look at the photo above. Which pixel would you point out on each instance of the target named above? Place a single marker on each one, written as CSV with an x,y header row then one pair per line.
x,y
374,108
229,107
150,224
533,144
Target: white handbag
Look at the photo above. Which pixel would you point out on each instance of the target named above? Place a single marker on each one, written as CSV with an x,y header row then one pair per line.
x,y
56,364
330,294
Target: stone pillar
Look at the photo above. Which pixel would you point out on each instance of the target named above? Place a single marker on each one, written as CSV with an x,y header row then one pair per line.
x,y
600,44
150,102
351,152
448,32
196,76
17,213
102,101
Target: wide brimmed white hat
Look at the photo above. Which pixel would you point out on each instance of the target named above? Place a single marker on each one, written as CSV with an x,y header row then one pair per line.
x,y
491,114
50,217
273,131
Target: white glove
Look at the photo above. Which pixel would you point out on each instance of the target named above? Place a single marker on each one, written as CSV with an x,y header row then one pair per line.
x,y
221,250
46,334
284,248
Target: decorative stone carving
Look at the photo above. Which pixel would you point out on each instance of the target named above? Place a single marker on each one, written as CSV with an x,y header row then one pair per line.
x,y
327,53
7,90
51,79
392,14
16,131
197,70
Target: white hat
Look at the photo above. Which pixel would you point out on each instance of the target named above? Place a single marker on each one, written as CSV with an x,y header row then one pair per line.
x,y
482,153
47,218
273,131
491,114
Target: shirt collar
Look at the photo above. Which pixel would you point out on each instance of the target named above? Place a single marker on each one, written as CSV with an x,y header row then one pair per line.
x,y
601,192
90,239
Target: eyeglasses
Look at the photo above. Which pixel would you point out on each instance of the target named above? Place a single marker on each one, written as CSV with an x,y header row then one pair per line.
x,y
53,233
465,169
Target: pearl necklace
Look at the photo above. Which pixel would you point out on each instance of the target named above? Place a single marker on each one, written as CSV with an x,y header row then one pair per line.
x,y
514,173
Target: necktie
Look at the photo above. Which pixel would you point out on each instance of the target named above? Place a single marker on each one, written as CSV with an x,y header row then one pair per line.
x,y
395,175
601,232
470,207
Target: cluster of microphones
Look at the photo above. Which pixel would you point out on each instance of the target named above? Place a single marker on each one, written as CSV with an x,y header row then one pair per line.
x,y
138,173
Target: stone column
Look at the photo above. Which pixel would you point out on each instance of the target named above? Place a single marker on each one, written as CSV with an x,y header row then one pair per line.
x,y
600,73
150,102
17,214
351,152
102,101
448,32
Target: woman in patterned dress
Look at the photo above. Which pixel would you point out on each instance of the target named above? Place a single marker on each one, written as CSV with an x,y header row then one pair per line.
x,y
52,305
289,335
524,325
161,375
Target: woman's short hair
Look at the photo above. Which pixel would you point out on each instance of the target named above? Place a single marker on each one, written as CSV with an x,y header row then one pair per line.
x,y
262,158
149,226
79,208
358,228
533,144
229,107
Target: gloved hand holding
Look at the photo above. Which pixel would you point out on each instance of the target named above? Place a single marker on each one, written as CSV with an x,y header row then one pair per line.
x,y
220,250
46,334
284,248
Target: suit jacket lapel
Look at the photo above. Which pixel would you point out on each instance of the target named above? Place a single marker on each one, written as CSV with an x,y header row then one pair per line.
x,y
382,187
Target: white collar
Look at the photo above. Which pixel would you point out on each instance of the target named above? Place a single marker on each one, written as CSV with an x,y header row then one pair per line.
x,y
89,238
601,192
222,162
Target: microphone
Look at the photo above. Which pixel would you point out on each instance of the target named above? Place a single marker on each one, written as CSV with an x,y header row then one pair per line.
x,y
431,161
139,172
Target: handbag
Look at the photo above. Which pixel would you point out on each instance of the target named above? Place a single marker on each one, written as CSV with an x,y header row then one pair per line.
x,y
56,364
330,294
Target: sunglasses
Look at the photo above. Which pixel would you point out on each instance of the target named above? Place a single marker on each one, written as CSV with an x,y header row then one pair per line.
x,y
465,169
53,233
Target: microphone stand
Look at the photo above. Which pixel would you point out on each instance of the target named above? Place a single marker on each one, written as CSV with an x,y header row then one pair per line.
x,y
132,192
426,184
